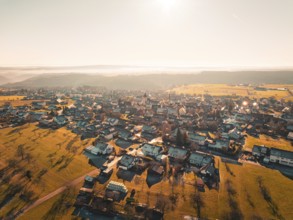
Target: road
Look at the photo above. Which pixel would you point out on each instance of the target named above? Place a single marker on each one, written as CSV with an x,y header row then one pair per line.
x,y
63,188
113,162
52,194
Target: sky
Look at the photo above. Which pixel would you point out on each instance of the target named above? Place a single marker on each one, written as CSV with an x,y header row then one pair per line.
x,y
193,33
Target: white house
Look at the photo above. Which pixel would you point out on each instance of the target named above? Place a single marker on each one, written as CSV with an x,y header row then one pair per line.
x,y
100,148
282,157
116,186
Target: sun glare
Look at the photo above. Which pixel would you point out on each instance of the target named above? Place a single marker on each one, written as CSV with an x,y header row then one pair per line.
x,y
167,5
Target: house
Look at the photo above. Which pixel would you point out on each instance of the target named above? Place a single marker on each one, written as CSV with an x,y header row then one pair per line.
x,y
127,162
60,120
109,134
219,145
290,136
288,118
259,151
200,159
197,139
177,153
281,156
208,170
38,105
124,134
149,129
112,121
151,150
116,186
156,169
36,116
235,134
100,148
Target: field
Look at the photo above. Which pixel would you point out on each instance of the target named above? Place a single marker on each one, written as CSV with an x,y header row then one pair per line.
x,y
14,100
229,90
11,98
55,208
35,162
280,143
239,188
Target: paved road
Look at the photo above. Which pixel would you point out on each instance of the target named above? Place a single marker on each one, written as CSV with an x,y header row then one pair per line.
x,y
54,193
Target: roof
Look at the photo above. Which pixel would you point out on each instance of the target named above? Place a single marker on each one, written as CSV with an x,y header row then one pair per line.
x,y
177,153
151,148
290,135
127,160
282,153
219,144
196,137
101,146
200,158
259,149
116,186
89,178
158,169
147,128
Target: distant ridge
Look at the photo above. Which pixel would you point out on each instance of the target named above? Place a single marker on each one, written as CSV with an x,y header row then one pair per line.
x,y
155,81
3,80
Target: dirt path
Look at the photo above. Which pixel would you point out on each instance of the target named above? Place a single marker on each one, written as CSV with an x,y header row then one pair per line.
x,y
52,194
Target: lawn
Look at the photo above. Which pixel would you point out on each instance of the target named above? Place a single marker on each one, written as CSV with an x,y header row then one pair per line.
x,y
39,161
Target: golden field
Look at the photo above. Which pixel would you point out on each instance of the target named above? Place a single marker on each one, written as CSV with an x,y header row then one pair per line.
x,y
229,90
53,158
268,141
216,204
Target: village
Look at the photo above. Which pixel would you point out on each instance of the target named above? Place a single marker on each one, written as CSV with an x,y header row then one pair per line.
x,y
157,135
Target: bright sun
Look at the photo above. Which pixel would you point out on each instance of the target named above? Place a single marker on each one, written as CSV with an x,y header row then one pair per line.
x,y
167,5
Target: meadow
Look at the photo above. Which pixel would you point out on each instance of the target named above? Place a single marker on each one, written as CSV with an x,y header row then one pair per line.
x,y
14,100
231,90
35,162
240,196
268,141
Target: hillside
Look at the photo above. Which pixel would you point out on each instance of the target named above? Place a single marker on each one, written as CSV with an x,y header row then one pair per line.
x,y
3,80
155,81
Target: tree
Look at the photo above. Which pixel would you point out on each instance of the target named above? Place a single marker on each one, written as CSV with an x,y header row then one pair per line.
x,y
185,138
20,151
197,202
179,137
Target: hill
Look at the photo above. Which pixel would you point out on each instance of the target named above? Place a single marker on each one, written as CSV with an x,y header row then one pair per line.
x,y
155,81
3,80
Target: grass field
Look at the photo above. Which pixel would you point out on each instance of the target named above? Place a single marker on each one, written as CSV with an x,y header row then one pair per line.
x,y
14,100
52,158
56,207
228,90
11,98
244,195
280,143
